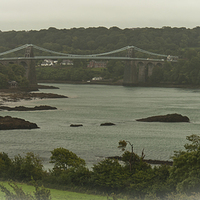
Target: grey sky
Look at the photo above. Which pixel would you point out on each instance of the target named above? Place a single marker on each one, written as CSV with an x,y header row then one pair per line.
x,y
42,14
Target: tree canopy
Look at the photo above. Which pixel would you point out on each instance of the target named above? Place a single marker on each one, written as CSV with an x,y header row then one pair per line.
x,y
12,72
165,40
64,159
185,173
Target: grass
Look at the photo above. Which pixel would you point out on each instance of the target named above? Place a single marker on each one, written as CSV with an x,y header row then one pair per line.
x,y
56,194
66,195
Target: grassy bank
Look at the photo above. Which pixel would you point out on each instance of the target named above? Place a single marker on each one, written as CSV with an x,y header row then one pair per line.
x,y
56,194
67,195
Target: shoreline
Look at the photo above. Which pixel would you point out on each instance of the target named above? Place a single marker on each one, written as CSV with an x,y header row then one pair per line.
x,y
17,94
120,83
6,92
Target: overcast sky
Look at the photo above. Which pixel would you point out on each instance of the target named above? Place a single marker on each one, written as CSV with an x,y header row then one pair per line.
x,y
42,14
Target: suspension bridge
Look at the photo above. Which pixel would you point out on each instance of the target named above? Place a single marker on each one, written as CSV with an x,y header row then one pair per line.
x,y
131,74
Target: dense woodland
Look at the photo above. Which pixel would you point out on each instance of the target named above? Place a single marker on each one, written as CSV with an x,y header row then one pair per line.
x,y
166,40
181,42
11,73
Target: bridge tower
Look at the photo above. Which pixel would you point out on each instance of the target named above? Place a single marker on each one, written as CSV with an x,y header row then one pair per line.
x,y
30,66
130,71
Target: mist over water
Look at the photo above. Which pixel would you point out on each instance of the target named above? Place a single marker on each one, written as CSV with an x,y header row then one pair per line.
x,y
91,105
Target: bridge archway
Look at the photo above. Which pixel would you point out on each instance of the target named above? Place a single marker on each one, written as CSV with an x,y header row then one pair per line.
x,y
150,67
158,64
140,71
145,70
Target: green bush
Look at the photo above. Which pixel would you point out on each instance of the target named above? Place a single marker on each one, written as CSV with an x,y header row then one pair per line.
x,y
26,168
40,193
5,166
185,173
109,174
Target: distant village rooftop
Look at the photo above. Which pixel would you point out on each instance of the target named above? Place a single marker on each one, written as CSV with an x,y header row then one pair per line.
x,y
96,64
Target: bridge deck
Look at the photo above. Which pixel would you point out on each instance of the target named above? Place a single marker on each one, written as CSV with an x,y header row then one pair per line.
x,y
80,58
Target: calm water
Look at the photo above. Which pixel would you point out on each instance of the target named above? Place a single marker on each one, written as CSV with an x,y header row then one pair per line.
x,y
92,105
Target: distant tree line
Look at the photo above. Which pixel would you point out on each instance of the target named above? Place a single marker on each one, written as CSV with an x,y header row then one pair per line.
x,y
181,42
131,176
185,72
165,40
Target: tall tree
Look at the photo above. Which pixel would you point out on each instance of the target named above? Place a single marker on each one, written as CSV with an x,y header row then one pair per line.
x,y
64,159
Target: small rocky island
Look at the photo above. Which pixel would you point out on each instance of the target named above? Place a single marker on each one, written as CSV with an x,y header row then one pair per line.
x,y
23,108
166,118
8,123
28,96
76,125
107,124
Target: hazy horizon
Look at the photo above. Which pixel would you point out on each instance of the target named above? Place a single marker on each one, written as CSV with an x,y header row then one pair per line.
x,y
36,15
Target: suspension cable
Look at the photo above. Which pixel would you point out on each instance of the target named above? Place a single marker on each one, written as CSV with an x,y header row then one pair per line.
x,y
13,50
91,55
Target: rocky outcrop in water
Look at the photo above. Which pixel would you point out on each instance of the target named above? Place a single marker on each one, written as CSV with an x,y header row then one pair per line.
x,y
107,124
17,96
45,95
23,108
47,87
149,161
166,118
7,123
76,125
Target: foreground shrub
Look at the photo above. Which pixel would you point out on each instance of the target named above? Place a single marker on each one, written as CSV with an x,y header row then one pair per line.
x,y
5,165
109,174
26,168
185,172
19,194
64,159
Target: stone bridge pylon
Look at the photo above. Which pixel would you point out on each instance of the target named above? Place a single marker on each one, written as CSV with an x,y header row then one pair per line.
x,y
130,71
28,64
137,72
